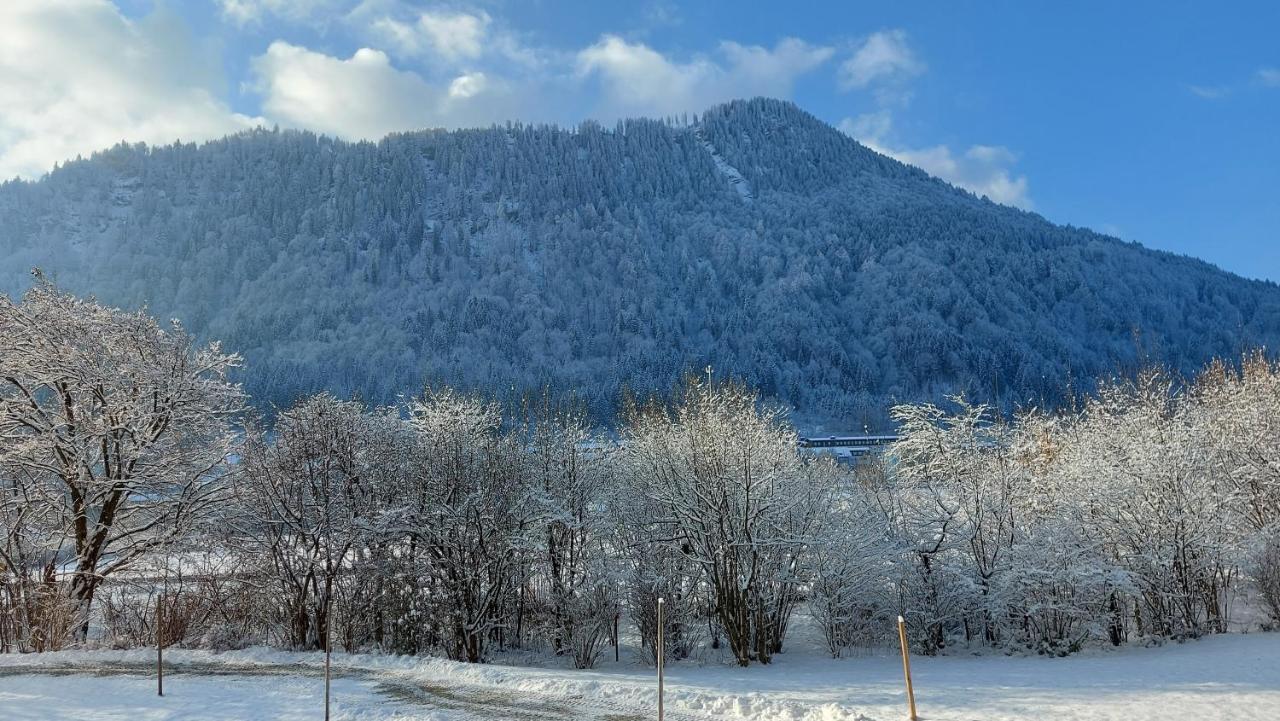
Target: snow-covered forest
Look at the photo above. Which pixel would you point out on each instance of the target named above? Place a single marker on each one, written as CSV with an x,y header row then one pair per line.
x,y
753,238
134,477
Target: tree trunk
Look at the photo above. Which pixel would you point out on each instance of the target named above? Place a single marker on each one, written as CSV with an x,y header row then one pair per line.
x,y
80,593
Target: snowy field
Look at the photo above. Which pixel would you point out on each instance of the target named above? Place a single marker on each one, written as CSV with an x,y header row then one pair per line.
x,y
191,698
1226,677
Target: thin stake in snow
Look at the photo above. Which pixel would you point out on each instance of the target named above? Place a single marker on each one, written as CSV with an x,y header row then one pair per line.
x,y
164,590
159,645
328,651
328,593
906,667
660,644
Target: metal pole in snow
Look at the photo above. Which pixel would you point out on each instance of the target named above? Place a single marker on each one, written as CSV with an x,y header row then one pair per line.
x,y
661,644
906,667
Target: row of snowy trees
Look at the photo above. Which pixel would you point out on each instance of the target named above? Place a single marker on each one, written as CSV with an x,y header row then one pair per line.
x,y
447,527
1146,512
132,480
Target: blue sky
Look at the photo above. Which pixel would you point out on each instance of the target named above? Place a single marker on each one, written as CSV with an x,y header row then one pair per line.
x,y
1155,122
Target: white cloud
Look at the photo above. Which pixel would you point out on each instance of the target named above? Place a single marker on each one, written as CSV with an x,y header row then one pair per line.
x,y
246,12
1268,76
883,64
455,36
449,40
400,37
467,86
1209,92
636,79
366,97
451,36
77,76
661,14
869,128
636,75
772,72
360,97
883,57
981,169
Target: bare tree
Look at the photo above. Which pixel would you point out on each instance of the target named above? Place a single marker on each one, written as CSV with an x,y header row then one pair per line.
x,y
568,482
852,592
736,496
119,429
307,499
467,508
1145,469
1242,404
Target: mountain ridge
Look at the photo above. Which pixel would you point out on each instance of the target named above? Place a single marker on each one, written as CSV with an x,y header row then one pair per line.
x,y
593,258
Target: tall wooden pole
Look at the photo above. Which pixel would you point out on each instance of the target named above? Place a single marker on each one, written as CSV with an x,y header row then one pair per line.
x,y
328,651
328,593
661,644
906,667
160,644
164,591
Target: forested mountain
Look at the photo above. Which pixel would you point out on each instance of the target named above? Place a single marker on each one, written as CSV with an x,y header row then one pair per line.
x,y
754,238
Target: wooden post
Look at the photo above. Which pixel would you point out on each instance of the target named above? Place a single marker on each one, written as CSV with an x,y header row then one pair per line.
x,y
160,644
906,667
164,591
616,641
328,651
661,643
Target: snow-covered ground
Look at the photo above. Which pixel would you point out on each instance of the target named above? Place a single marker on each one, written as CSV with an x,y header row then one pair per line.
x,y
191,698
1225,677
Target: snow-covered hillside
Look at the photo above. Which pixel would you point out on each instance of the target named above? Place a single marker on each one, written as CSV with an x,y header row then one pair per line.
x,y
755,239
